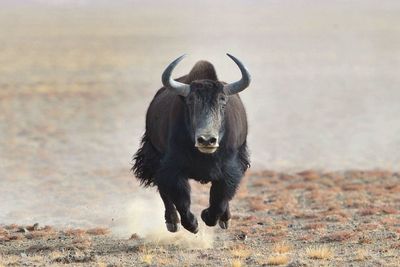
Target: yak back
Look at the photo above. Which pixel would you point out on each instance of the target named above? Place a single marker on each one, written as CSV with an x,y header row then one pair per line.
x,y
167,108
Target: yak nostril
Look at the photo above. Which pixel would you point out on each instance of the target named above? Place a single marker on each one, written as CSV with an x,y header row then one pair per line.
x,y
213,140
201,140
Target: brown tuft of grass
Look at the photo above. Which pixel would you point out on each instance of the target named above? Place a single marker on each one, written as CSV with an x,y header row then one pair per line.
x,y
82,243
338,236
352,187
257,204
314,226
3,231
319,253
367,226
306,215
286,177
389,210
364,240
98,231
306,238
368,211
75,232
15,237
295,186
279,259
309,175
391,221
282,248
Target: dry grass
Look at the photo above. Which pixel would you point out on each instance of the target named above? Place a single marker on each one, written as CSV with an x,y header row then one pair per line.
x,y
361,254
278,259
98,231
338,236
309,175
236,263
240,252
147,258
282,247
319,253
101,264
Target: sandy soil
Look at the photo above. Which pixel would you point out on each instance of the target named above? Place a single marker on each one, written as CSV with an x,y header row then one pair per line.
x,y
300,219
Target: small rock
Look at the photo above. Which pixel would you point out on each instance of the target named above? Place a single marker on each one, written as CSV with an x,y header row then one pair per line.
x,y
134,237
242,236
22,230
34,227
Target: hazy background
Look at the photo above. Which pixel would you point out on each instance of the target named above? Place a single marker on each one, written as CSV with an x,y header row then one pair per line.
x,y
76,78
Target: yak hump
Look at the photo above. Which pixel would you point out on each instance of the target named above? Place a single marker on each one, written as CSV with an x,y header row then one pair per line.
x,y
202,70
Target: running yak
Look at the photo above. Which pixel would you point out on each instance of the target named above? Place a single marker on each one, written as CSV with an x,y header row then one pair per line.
x,y
196,127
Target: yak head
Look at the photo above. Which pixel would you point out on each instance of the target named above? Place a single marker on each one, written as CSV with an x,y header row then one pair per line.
x,y
205,101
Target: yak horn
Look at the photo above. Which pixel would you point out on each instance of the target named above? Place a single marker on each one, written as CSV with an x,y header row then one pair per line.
x,y
179,88
236,87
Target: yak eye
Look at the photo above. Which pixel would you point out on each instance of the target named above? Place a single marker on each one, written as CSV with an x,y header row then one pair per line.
x,y
222,99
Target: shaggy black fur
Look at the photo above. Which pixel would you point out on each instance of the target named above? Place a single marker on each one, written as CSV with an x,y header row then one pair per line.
x,y
167,156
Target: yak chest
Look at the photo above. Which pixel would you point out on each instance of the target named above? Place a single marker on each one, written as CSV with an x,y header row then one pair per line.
x,y
205,170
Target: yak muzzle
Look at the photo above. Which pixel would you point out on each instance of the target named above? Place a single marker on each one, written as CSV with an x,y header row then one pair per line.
x,y
207,144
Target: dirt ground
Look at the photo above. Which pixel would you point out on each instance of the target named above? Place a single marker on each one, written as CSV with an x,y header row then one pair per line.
x,y
309,218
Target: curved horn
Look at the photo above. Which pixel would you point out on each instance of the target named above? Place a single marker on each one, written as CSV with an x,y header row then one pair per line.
x,y
179,88
236,87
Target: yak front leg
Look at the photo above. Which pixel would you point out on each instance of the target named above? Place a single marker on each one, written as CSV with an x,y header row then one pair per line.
x,y
224,219
177,190
171,216
220,195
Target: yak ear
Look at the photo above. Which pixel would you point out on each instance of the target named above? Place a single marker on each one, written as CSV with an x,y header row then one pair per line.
x,y
243,83
177,87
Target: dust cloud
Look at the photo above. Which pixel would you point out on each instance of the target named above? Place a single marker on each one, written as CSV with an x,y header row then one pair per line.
x,y
144,215
76,78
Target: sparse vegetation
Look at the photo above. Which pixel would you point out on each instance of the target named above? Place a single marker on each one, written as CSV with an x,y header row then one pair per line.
x,y
282,247
236,263
361,254
319,252
279,259
255,237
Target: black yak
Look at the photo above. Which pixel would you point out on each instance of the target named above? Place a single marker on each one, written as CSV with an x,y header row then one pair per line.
x,y
196,127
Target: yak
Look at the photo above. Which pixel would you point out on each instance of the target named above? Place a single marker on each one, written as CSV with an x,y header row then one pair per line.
x,y
196,127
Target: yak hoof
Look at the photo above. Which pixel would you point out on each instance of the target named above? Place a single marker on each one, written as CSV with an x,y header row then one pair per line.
x,y
193,228
172,227
223,224
205,216
190,224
